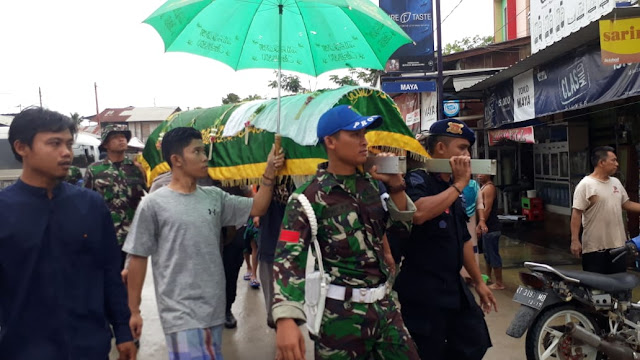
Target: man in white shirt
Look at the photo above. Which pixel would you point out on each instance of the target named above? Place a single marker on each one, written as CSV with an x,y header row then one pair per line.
x,y
598,202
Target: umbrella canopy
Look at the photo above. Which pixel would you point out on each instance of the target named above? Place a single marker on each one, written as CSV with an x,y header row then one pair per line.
x,y
308,36
241,135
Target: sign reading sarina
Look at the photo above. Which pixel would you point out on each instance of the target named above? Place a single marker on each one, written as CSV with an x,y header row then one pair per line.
x,y
620,41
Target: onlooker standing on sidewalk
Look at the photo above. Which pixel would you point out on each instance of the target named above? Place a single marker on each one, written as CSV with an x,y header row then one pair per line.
x,y
60,281
598,202
491,230
437,305
120,182
179,226
472,202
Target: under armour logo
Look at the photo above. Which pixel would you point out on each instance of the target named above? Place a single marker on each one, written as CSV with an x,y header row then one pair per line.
x,y
212,212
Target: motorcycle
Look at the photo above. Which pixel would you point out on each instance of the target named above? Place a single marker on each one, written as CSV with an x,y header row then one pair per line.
x,y
570,314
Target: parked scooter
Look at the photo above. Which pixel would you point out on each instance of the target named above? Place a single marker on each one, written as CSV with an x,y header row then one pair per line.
x,y
578,314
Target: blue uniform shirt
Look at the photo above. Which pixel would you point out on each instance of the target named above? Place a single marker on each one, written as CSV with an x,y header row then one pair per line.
x,y
430,274
60,284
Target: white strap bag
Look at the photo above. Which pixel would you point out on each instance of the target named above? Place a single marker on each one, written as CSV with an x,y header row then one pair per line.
x,y
316,280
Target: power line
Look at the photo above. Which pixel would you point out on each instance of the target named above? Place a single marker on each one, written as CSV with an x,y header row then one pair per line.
x,y
454,9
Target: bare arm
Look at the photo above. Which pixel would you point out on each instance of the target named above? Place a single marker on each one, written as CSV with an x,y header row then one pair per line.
x,y
429,207
135,280
576,221
487,300
262,199
631,206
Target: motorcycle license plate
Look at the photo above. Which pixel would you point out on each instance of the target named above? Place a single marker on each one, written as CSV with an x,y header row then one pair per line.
x,y
529,297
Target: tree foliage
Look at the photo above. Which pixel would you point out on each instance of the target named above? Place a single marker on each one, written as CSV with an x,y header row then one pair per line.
x,y
357,77
290,84
231,98
76,118
467,43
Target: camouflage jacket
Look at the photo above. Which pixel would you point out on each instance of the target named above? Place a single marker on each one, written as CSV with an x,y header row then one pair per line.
x,y
74,176
121,189
351,225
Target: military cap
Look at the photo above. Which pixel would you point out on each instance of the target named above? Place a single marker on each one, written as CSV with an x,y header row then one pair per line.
x,y
452,128
113,129
344,117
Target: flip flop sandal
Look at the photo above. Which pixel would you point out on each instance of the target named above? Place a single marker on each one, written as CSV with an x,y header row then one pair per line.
x,y
247,276
255,284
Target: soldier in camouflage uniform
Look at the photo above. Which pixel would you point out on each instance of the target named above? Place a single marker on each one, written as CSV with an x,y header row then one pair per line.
x,y
359,320
120,182
74,176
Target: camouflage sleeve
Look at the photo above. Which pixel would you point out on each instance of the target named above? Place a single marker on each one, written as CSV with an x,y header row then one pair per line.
x,y
400,222
88,178
289,264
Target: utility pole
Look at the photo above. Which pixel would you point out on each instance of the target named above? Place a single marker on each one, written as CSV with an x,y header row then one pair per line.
x,y
40,94
95,89
439,54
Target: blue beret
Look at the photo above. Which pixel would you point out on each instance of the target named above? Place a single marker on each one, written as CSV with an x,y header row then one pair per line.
x,y
453,128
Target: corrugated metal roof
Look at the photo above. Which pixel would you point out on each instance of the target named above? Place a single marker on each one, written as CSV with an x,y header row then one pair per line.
x,y
142,114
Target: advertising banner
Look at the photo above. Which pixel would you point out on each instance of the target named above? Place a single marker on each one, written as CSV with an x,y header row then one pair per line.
x,y
415,17
409,105
576,82
429,108
522,135
498,108
553,20
620,41
523,97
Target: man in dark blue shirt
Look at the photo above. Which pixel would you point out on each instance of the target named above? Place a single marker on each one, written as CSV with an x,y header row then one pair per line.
x,y
438,309
60,285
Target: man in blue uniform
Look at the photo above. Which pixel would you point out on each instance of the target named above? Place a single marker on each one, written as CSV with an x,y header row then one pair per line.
x,y
60,280
439,310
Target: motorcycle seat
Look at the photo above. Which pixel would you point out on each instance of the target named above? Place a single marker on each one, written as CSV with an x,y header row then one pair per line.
x,y
609,283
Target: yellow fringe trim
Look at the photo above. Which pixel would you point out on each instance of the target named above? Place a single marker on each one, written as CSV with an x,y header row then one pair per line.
x,y
395,143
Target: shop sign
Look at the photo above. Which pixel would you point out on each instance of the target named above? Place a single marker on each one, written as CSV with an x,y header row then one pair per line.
x,y
409,86
552,20
451,108
409,105
521,135
524,107
620,41
498,107
415,17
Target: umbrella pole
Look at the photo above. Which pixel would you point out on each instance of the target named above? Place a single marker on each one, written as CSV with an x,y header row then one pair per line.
x,y
278,138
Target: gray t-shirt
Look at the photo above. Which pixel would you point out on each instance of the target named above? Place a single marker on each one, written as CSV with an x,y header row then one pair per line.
x,y
181,233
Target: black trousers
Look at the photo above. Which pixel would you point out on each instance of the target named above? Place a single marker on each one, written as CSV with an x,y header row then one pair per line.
x,y
601,262
232,261
444,334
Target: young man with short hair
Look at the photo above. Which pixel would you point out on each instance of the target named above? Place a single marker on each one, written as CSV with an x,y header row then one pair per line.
x,y
179,226
360,319
60,284
598,201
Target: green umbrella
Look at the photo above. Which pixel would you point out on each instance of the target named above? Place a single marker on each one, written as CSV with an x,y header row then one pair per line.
x,y
306,36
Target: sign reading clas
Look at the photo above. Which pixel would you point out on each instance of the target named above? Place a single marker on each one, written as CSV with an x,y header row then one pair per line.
x,y
620,41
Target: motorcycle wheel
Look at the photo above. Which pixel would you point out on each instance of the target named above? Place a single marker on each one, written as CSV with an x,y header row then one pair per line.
x,y
546,338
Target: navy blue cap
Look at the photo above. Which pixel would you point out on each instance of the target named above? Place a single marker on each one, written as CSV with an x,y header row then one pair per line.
x,y
453,128
344,117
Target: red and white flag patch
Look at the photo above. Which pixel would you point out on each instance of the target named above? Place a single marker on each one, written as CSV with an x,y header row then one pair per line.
x,y
289,236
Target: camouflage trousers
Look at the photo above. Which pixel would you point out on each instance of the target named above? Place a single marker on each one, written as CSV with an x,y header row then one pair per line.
x,y
363,331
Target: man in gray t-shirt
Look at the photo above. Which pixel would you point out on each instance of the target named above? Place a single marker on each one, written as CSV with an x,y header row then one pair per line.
x,y
179,227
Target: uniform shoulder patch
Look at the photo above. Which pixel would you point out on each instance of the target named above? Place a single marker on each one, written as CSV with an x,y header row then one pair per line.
x,y
289,236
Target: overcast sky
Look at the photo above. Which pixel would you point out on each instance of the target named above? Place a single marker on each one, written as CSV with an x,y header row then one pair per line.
x,y
64,46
